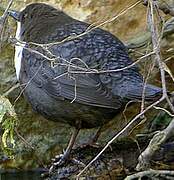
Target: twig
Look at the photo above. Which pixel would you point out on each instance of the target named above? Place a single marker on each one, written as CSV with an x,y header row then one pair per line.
x,y
113,70
144,86
154,145
23,139
151,173
135,43
163,6
11,89
159,138
3,21
30,146
69,64
165,110
27,84
90,28
127,128
155,43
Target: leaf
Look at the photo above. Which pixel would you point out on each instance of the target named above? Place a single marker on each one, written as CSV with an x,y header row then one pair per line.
x,y
8,124
6,106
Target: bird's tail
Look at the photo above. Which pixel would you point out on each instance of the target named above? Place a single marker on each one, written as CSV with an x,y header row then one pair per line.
x,y
138,91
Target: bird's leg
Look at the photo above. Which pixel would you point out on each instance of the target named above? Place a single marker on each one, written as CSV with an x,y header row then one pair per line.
x,y
61,159
96,136
71,143
93,141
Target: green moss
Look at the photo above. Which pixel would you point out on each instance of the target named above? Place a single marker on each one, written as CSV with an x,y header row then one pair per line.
x,y
8,125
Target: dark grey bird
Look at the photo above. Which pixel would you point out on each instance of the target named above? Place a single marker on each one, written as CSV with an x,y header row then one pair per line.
x,y
67,70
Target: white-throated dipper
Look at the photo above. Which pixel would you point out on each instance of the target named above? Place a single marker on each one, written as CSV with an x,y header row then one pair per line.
x,y
68,73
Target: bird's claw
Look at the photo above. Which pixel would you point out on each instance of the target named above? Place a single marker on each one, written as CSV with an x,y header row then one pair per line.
x,y
58,161
61,159
75,161
90,144
87,145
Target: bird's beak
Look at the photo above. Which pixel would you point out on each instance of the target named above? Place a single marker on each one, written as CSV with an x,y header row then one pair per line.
x,y
14,14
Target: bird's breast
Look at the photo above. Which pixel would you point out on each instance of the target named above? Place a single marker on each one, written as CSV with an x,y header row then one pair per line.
x,y
18,50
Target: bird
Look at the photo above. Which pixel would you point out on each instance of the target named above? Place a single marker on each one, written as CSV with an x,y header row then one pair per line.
x,y
68,70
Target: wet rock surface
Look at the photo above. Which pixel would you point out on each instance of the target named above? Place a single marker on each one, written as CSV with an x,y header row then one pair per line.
x,y
116,162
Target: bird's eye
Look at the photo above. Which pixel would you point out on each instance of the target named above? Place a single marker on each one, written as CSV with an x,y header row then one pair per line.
x,y
25,15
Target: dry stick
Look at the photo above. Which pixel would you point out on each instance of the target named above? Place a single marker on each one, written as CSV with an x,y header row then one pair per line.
x,y
156,46
165,110
3,20
23,139
154,145
159,138
83,70
125,108
163,6
27,84
89,29
112,70
52,60
127,128
156,49
144,87
151,173
30,146
11,89
8,7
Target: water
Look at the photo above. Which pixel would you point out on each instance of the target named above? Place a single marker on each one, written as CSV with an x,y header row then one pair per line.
x,y
20,175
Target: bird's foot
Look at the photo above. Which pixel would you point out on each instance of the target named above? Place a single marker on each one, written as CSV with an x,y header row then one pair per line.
x,y
89,144
61,160
58,161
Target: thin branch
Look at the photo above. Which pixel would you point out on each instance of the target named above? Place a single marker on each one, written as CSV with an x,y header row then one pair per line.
x,y
3,19
113,70
81,70
69,64
90,28
150,173
11,89
27,84
165,110
127,128
154,145
161,137
30,146
163,6
156,48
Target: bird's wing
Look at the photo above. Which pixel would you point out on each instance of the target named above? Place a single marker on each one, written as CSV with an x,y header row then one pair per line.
x,y
128,83
96,49
86,89
58,84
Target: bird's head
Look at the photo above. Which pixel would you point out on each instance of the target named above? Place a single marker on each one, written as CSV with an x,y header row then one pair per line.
x,y
37,17
33,12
